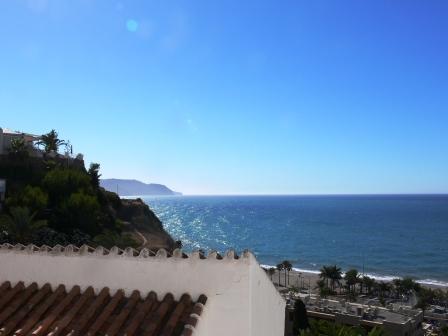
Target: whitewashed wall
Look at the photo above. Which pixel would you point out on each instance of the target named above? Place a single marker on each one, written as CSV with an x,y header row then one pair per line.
x,y
241,299
267,306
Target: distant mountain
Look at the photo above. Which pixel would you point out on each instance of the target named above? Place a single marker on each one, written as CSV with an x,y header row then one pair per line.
x,y
134,187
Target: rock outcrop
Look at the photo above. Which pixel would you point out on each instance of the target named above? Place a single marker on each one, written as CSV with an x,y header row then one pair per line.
x,y
147,225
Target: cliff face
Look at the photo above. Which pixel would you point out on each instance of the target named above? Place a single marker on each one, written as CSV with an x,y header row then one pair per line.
x,y
146,225
76,210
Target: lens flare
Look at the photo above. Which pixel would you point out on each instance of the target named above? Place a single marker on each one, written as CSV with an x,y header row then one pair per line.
x,y
131,25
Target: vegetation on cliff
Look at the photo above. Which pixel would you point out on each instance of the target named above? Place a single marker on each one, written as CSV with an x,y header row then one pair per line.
x,y
54,200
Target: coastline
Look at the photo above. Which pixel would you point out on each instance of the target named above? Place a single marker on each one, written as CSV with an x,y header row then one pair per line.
x,y
309,277
384,233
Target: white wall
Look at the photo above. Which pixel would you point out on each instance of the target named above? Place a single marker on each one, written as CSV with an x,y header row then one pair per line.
x,y
241,299
268,306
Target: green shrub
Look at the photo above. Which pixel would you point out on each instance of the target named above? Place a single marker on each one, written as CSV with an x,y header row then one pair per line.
x,y
321,327
79,211
51,237
61,183
20,225
109,239
33,198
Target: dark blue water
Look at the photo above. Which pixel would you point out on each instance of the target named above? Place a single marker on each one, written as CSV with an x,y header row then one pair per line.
x,y
390,235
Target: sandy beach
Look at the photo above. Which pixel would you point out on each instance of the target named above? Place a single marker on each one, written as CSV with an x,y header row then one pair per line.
x,y
303,280
308,280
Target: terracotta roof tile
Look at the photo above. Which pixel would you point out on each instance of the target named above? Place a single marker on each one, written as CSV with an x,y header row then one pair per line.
x,y
38,311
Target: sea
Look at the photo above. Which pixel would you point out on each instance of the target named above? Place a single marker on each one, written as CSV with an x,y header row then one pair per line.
x,y
384,236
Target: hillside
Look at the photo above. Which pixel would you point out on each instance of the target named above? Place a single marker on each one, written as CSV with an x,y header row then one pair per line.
x,y
52,199
134,187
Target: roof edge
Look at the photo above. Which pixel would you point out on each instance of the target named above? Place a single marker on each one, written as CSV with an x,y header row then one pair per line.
x,y
116,252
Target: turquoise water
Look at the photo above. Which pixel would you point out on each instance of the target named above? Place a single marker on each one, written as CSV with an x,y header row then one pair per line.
x,y
390,235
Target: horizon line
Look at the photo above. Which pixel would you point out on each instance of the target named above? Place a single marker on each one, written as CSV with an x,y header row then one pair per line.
x,y
298,194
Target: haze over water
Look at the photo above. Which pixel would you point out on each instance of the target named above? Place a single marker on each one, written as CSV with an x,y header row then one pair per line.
x,y
403,235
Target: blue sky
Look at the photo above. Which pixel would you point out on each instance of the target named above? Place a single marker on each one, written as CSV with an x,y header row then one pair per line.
x,y
237,97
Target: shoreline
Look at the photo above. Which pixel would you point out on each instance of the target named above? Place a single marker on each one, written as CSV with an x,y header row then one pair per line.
x,y
311,277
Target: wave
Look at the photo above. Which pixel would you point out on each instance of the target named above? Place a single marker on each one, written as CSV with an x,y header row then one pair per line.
x,y
433,282
385,278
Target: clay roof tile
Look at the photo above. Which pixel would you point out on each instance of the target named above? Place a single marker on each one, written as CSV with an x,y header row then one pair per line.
x,y
38,311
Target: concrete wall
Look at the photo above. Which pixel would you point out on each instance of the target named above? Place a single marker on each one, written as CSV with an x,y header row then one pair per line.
x,y
241,299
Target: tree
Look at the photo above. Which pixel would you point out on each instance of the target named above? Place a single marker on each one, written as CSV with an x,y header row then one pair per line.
x,y
94,174
383,288
335,276
50,141
331,275
61,183
325,274
408,284
425,298
351,279
21,224
300,321
19,148
324,291
322,327
271,272
80,211
279,269
397,283
33,198
287,266
369,283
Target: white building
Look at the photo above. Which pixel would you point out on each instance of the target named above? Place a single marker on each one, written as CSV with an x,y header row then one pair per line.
x,y
7,136
216,295
396,322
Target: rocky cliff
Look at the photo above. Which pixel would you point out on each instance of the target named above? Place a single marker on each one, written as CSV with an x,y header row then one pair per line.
x,y
146,225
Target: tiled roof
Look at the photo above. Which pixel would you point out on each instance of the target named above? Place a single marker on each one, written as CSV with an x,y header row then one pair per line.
x,y
30,310
117,252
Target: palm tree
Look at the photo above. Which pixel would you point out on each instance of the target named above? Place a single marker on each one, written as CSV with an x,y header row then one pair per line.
x,y
369,283
351,278
279,269
383,287
408,285
94,173
287,266
325,274
20,224
50,141
271,271
398,286
335,276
